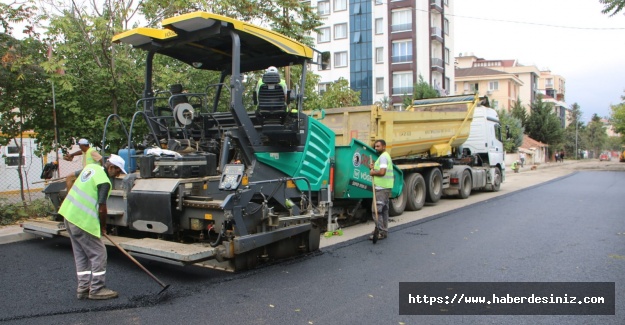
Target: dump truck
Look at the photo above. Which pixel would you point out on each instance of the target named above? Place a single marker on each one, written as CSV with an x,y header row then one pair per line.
x,y
226,189
444,146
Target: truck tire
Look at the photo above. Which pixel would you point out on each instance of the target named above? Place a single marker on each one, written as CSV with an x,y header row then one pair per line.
x,y
415,192
434,185
465,185
397,205
494,187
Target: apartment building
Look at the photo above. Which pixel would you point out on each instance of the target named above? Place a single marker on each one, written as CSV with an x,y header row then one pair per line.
x,y
553,88
382,47
500,87
528,75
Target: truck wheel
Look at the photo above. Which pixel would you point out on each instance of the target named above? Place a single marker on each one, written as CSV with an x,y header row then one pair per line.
x,y
465,185
415,192
494,187
397,205
434,183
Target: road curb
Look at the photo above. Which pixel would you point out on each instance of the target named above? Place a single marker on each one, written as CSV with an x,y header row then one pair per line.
x,y
12,234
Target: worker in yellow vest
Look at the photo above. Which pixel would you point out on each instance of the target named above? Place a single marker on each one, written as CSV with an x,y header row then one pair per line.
x,y
89,155
85,214
383,178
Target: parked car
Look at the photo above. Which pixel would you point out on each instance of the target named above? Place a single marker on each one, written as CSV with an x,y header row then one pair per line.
x,y
604,156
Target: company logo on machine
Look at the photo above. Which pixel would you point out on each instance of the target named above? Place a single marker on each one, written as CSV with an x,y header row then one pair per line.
x,y
87,174
357,159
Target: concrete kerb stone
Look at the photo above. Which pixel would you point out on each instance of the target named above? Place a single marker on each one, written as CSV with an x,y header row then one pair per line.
x,y
11,234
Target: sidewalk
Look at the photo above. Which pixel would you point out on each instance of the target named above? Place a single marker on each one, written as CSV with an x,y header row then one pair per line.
x,y
11,234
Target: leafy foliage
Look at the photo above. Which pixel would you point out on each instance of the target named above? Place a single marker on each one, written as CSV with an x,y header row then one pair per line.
x,y
513,124
617,116
543,125
573,134
595,135
10,213
518,111
338,94
612,7
422,90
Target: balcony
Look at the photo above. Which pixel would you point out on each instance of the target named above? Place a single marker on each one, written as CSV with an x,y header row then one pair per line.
x,y
436,5
397,91
401,58
401,27
437,65
436,34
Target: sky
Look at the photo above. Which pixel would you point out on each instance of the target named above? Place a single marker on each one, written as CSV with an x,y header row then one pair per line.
x,y
572,38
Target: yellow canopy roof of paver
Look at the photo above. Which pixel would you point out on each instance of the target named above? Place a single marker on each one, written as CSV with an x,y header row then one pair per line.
x,y
203,40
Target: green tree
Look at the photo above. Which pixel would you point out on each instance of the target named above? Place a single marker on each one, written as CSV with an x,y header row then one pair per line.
x,y
571,139
422,90
385,103
543,125
518,111
23,90
339,94
595,135
617,116
18,12
513,124
612,7
103,78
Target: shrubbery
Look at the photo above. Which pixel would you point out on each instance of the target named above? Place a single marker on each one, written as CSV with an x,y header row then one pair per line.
x,y
10,213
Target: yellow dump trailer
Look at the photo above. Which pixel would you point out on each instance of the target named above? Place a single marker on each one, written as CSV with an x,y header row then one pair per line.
x,y
447,145
425,128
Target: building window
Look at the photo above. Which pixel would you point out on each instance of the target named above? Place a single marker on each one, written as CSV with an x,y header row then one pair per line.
x,y
322,88
398,107
340,59
402,51
323,8
379,55
401,20
446,26
324,35
379,85
12,156
379,26
340,31
325,60
549,83
402,83
447,55
340,5
493,85
447,85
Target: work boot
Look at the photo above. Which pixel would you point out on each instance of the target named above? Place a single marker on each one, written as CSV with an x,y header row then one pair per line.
x,y
82,293
103,294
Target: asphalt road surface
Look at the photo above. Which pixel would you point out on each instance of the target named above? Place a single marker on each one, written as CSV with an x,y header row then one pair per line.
x,y
568,229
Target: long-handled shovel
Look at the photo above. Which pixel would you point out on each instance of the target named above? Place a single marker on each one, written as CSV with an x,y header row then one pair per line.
x,y
376,231
165,286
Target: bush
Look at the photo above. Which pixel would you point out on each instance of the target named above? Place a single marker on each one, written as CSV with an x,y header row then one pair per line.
x,y
11,213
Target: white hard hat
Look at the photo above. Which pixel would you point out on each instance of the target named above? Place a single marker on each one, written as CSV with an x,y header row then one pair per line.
x,y
118,161
83,142
272,69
